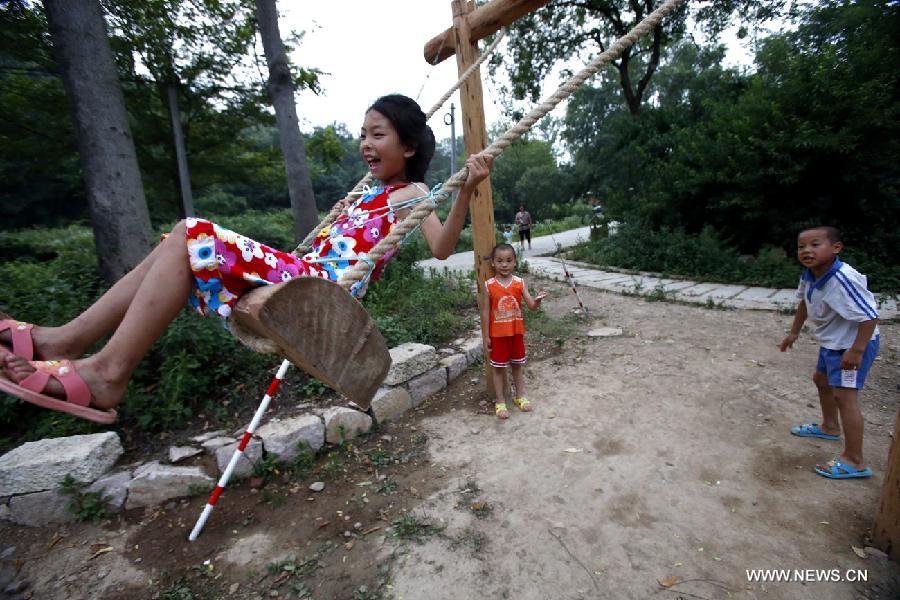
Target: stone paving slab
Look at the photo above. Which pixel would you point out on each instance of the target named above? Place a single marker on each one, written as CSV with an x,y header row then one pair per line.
x,y
674,285
756,293
782,298
723,292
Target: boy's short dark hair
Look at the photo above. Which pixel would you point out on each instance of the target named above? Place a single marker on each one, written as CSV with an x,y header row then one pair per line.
x,y
502,247
832,233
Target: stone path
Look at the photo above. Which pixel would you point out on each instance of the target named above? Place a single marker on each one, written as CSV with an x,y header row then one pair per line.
x,y
643,284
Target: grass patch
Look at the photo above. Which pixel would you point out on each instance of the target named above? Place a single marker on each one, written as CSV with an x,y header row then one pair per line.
x,y
388,486
288,574
547,326
334,467
179,590
297,568
86,506
411,527
380,457
364,593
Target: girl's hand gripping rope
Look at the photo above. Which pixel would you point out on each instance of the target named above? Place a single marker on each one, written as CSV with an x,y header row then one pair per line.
x,y
479,166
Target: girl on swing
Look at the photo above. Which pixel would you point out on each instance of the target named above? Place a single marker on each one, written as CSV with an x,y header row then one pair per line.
x,y
212,267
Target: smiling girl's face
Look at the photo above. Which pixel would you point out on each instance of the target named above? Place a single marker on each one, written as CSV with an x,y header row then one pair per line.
x,y
381,149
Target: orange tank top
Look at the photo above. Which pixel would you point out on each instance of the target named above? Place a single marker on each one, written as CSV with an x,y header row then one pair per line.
x,y
506,307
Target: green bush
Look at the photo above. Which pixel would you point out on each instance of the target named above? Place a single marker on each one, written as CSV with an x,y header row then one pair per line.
x,y
215,201
565,224
407,306
709,258
274,228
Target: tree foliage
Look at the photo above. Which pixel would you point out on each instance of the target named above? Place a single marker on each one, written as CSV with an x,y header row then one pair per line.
x,y
581,29
811,136
527,173
39,171
206,48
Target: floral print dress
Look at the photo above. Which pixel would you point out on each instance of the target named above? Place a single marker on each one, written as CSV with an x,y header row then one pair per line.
x,y
226,264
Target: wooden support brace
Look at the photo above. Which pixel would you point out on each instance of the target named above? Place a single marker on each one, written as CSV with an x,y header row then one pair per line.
x,y
481,207
886,530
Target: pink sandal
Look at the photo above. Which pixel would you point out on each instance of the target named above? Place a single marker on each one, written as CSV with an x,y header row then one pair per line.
x,y
22,344
78,396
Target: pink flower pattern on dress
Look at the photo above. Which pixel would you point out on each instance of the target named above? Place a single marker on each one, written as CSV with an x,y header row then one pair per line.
x,y
283,271
372,233
225,257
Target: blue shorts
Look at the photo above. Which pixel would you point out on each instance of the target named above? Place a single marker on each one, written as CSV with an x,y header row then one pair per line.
x,y
830,364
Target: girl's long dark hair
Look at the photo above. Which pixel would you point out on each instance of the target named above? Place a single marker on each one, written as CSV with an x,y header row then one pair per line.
x,y
408,119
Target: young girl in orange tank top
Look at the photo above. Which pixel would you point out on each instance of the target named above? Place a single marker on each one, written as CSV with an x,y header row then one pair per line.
x,y
505,343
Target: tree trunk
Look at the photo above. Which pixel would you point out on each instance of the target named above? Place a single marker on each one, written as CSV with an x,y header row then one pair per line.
x,y
121,222
184,176
281,91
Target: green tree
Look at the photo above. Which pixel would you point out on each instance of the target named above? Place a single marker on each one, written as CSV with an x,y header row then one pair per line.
x,y
569,28
526,173
811,136
334,163
281,90
40,179
109,165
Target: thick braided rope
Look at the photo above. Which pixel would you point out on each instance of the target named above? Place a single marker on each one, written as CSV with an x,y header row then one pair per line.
x,y
335,211
420,213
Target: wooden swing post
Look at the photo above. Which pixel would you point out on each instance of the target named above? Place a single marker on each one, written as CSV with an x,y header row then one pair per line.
x,y
886,530
469,26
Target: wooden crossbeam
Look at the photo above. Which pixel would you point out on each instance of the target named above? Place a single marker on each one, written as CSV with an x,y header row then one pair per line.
x,y
482,22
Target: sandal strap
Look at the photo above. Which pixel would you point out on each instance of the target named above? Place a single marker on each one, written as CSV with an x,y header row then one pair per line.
x,y
22,343
76,389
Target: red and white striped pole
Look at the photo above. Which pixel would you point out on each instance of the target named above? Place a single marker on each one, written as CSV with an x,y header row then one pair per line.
x,y
226,475
570,279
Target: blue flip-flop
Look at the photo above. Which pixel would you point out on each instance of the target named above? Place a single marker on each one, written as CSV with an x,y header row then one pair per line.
x,y
812,430
838,470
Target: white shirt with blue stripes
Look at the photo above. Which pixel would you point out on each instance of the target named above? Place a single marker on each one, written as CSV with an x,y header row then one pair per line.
x,y
837,303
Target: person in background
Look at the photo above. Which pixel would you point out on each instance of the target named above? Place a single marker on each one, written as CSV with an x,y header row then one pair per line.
x,y
523,222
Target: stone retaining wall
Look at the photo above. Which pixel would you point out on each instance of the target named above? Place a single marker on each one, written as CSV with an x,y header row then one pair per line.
x,y
30,474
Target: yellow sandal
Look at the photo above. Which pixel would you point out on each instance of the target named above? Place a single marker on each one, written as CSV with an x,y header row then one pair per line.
x,y
501,411
523,404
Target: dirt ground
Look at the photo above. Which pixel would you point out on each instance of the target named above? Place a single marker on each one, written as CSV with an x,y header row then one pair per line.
x,y
656,464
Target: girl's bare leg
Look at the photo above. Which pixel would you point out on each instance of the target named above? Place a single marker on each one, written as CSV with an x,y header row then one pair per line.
x,y
161,294
74,338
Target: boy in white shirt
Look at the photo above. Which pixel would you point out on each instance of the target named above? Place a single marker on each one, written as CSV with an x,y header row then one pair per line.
x,y
833,295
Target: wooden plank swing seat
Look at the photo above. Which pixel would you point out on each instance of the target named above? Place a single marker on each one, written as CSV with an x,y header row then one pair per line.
x,y
318,326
